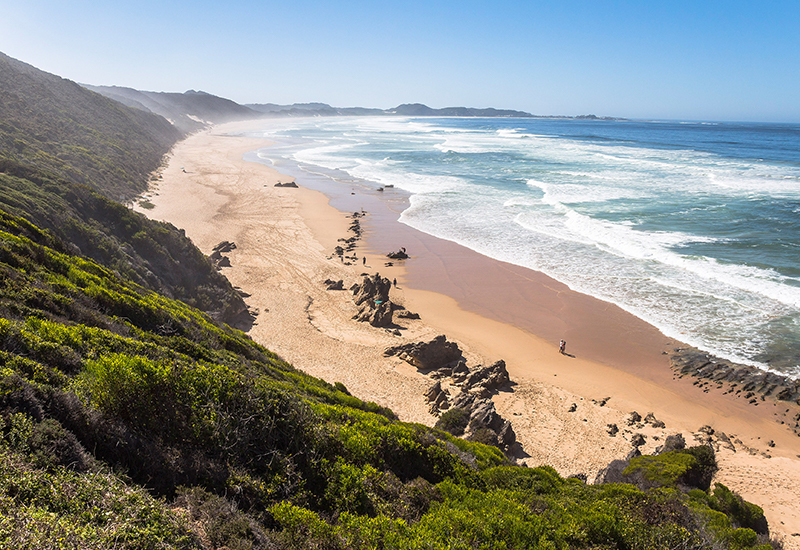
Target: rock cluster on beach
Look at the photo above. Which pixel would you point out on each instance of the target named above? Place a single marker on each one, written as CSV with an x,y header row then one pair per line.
x,y
473,388
349,243
750,383
217,259
372,297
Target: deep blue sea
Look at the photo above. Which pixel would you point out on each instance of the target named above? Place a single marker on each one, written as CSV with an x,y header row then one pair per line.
x,y
691,226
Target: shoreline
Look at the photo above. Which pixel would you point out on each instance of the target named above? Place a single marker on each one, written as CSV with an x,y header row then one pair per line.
x,y
284,241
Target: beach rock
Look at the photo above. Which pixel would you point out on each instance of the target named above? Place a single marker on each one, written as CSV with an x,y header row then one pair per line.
x,y
574,407
601,402
374,289
491,377
724,442
612,429
693,362
651,419
433,392
673,442
372,295
287,184
427,356
333,285
376,314
460,372
407,315
399,255
638,440
612,473
224,247
217,259
633,418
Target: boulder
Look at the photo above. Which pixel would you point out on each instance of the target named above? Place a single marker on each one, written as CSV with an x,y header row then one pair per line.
x,y
427,356
372,295
399,255
651,419
633,418
492,377
333,285
377,315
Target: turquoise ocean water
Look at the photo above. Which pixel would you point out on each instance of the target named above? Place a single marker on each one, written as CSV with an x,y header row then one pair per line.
x,y
693,227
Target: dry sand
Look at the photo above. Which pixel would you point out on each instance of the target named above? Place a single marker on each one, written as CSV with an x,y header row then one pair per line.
x,y
285,238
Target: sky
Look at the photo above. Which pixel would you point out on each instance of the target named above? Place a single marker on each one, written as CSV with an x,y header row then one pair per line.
x,y
645,59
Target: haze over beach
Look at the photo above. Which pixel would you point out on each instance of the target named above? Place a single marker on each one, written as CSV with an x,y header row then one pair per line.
x,y
410,276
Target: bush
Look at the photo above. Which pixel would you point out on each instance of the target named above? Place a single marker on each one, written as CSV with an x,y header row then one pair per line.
x,y
454,421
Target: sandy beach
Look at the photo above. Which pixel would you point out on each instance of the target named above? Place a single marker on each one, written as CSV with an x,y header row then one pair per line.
x,y
560,405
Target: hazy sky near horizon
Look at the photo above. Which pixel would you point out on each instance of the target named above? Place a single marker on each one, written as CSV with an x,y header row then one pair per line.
x,y
690,60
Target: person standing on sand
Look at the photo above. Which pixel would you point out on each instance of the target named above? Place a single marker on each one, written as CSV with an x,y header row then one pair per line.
x,y
364,260
562,347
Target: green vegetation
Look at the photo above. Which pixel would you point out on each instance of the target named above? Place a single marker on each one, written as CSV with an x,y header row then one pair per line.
x,y
130,419
693,467
454,421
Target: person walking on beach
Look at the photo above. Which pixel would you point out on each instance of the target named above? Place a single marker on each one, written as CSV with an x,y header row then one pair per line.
x,y
364,260
562,347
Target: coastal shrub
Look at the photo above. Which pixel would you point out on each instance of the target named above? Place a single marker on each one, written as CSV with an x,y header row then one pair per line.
x,y
453,421
741,512
692,467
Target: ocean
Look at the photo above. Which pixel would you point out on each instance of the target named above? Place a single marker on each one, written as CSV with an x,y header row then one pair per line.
x,y
692,226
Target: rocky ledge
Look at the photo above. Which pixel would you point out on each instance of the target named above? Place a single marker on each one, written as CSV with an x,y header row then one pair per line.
x,y
750,383
472,388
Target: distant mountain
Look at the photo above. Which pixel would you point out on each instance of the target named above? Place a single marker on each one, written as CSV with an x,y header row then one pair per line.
x,y
418,109
56,125
189,111
409,109
313,109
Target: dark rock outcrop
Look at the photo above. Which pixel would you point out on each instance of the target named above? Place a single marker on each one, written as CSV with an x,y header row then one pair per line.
x,y
492,377
372,297
753,384
330,284
427,356
217,258
399,255
287,184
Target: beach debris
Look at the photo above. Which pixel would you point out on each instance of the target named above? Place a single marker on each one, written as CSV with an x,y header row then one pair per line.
x,y
287,184
427,356
573,408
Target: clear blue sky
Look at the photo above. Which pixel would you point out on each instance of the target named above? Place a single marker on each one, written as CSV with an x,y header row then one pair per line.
x,y
706,60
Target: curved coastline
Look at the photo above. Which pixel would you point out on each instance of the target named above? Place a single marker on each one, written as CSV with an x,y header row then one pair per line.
x,y
515,314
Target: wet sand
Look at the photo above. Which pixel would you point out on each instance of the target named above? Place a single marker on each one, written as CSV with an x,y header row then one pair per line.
x,y
285,239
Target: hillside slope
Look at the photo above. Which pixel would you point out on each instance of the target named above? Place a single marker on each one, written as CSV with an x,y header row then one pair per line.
x,y
56,125
188,112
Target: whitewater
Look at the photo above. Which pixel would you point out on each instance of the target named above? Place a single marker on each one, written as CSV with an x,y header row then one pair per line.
x,y
691,226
